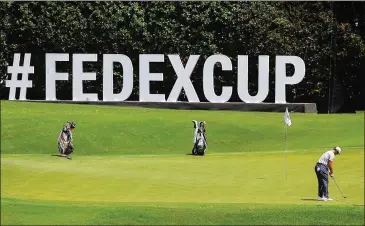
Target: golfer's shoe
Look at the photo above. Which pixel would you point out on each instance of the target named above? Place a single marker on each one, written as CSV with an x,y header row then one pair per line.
x,y
328,199
320,198
195,123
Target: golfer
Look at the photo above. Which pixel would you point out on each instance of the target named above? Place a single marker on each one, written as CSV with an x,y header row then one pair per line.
x,y
322,168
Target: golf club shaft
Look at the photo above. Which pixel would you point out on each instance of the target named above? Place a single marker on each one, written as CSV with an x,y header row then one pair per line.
x,y
338,187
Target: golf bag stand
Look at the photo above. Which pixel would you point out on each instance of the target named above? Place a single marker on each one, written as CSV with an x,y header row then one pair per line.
x,y
200,140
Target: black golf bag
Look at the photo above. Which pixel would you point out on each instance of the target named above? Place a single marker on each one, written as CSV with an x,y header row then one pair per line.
x,y
200,139
65,146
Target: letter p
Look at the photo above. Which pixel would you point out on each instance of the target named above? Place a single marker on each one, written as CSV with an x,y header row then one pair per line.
x,y
282,80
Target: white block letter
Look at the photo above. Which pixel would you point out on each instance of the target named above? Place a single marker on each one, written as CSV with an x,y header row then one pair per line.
x,y
108,60
145,77
183,78
242,82
79,76
280,73
208,80
52,75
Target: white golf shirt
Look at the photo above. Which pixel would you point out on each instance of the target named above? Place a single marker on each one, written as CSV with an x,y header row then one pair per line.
x,y
328,155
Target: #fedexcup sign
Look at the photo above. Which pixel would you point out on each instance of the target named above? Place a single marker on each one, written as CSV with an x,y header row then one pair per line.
x,y
182,82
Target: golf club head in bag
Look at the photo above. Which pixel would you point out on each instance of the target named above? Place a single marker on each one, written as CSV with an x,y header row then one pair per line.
x,y
200,143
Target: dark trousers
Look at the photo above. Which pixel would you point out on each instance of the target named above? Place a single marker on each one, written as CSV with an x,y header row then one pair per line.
x,y
322,176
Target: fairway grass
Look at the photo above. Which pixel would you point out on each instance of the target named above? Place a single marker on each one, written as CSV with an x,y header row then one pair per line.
x,y
28,128
159,189
132,166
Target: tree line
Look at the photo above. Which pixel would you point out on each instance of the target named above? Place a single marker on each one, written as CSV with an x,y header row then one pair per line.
x,y
321,33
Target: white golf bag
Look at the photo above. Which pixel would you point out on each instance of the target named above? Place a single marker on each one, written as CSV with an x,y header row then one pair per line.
x,y
65,145
200,139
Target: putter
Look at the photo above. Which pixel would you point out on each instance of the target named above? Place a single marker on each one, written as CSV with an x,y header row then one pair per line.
x,y
338,187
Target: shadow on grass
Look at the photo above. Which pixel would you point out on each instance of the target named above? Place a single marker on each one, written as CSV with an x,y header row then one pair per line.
x,y
310,200
195,155
61,156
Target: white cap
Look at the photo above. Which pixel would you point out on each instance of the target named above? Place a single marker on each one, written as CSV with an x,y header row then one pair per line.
x,y
338,149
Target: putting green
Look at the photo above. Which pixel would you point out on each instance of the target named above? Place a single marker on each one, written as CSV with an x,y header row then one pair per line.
x,y
241,178
122,172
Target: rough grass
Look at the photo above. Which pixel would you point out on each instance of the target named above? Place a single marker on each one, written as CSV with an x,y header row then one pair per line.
x,y
131,166
56,213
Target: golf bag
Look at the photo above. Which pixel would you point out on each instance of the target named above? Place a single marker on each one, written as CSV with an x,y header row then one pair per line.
x,y
200,139
65,146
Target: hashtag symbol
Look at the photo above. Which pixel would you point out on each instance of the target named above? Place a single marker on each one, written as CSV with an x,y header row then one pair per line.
x,y
16,69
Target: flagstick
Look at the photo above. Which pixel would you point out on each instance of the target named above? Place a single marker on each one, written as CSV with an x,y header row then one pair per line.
x,y
286,154
287,121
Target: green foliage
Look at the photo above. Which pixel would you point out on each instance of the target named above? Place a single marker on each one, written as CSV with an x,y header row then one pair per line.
x,y
205,28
